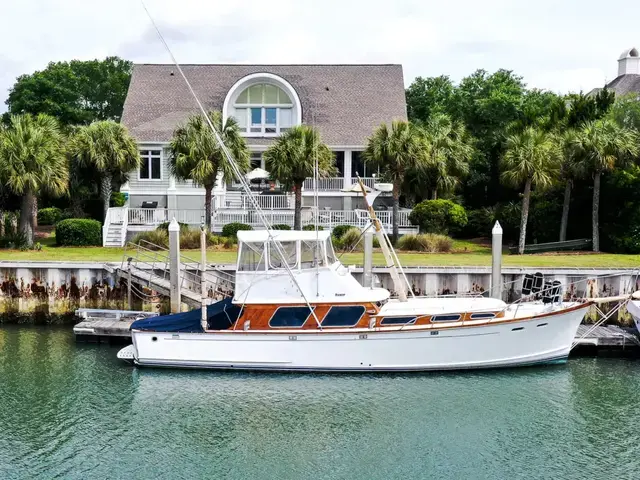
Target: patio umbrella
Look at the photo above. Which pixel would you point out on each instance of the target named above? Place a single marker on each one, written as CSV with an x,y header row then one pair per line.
x,y
257,174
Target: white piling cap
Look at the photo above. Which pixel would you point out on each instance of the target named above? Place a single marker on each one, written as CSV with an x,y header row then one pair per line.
x,y
497,229
174,226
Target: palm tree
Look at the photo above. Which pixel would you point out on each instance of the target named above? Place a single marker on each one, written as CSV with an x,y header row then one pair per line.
x,y
32,161
449,153
108,149
531,157
395,151
197,155
569,171
601,146
292,158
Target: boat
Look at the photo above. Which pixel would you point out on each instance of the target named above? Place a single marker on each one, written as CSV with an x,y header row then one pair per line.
x,y
347,327
633,307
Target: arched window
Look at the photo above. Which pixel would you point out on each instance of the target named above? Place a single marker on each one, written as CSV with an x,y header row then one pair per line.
x,y
264,109
264,104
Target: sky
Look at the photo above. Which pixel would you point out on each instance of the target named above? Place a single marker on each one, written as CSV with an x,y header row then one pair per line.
x,y
560,45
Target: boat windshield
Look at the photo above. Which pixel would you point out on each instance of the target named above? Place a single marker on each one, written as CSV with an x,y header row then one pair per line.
x,y
331,255
311,254
251,257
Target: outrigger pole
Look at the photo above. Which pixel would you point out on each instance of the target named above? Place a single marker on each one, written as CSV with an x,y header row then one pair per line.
x,y
398,285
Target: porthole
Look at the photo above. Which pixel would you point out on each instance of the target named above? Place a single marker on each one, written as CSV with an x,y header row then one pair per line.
x,y
154,339
517,329
542,325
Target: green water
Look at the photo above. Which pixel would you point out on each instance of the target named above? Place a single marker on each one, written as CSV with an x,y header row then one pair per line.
x,y
73,411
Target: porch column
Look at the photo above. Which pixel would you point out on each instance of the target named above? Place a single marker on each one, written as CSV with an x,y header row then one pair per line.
x,y
347,168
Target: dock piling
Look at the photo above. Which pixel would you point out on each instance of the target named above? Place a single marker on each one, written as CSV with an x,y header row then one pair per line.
x,y
174,265
496,261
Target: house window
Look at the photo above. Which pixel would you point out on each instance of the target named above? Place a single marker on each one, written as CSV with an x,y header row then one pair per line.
x,y
263,109
150,165
256,160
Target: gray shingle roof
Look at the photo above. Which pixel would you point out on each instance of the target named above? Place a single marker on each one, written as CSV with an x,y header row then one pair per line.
x,y
345,102
625,84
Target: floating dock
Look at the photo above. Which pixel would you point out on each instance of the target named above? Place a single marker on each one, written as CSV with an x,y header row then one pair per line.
x,y
106,325
114,325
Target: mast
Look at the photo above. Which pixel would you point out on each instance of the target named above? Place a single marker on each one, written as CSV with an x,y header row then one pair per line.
x,y
398,285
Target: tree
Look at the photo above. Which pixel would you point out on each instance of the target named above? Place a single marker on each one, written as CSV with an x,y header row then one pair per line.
x,y
531,158
292,158
107,148
429,96
449,152
395,151
602,146
626,111
569,171
75,92
196,154
32,161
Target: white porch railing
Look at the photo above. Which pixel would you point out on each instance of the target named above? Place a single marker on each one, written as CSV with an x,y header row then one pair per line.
x,y
156,216
368,181
325,184
325,218
269,202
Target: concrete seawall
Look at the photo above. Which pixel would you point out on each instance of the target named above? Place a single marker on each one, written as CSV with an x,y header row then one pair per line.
x,y
61,287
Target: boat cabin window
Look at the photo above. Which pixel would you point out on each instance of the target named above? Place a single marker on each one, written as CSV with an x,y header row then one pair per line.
x,y
398,321
251,257
478,316
347,316
290,251
289,317
446,318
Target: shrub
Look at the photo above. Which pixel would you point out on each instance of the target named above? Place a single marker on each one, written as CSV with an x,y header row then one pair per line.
x,y
78,232
232,229
165,226
426,242
118,199
228,242
14,240
280,226
157,237
49,216
350,240
190,239
439,216
480,222
312,228
339,230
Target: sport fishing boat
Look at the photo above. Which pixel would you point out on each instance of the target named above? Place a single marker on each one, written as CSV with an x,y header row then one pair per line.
x,y
344,326
633,307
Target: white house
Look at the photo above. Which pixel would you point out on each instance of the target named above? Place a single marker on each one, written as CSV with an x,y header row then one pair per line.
x,y
344,102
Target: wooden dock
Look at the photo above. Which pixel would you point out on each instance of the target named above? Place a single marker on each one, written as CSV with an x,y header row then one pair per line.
x,y
609,338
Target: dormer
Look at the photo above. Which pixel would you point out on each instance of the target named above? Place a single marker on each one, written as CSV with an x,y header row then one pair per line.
x,y
629,62
265,105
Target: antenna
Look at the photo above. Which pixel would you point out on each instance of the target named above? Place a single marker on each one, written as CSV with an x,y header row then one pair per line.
x,y
235,168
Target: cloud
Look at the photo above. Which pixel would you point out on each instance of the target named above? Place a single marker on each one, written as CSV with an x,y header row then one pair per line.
x,y
559,45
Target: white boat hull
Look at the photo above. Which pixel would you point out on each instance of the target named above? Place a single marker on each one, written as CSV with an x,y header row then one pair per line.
x,y
543,339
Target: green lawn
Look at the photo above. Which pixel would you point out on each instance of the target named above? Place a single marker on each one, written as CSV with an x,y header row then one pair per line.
x,y
466,254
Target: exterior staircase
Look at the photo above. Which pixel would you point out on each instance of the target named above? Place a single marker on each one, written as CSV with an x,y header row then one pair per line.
x,y
113,236
114,230
233,199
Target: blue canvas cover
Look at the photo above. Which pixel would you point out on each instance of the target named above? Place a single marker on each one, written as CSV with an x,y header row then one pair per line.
x,y
220,316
